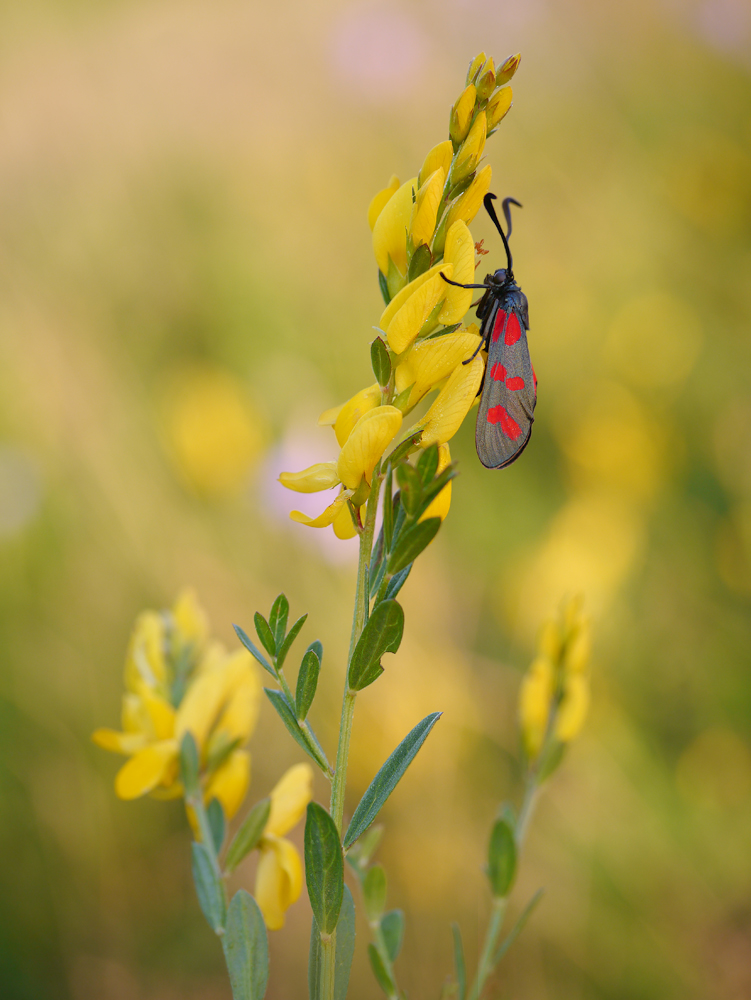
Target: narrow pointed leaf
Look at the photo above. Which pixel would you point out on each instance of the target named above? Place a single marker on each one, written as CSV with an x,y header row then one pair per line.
x,y
189,764
248,835
406,445
307,682
459,963
392,928
285,646
298,733
377,563
215,816
380,971
410,487
382,634
518,926
264,633
384,286
246,948
208,888
324,867
431,491
253,649
411,543
427,464
374,892
388,778
396,582
278,619
388,508
379,358
501,858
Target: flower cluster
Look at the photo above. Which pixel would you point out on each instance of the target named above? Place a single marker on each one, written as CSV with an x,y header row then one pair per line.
x,y
420,236
554,696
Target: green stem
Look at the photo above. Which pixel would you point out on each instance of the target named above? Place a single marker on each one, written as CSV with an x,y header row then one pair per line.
x,y
485,966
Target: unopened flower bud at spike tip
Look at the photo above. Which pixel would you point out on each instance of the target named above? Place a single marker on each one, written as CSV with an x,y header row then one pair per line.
x,y
461,114
470,151
507,69
425,208
486,83
498,107
475,66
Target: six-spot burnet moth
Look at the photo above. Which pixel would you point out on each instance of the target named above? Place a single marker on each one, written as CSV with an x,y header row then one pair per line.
x,y
509,390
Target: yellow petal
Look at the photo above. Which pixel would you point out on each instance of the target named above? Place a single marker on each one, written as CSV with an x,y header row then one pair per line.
x,y
327,517
238,720
190,618
278,880
461,113
425,208
328,417
160,713
459,251
401,297
210,694
370,437
125,743
475,66
452,404
152,766
321,476
229,783
390,230
146,651
470,151
134,717
379,201
573,708
579,651
429,362
343,525
439,156
498,107
289,799
486,81
353,409
467,207
440,506
535,699
408,320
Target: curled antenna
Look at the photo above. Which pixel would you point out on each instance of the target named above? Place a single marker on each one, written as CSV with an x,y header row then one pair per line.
x,y
490,209
507,213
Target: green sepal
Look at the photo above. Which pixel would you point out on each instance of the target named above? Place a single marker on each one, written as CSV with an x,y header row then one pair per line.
x,y
427,464
324,867
264,633
405,446
382,634
345,950
401,402
278,619
189,765
392,928
396,582
374,892
287,714
518,927
381,362
254,650
419,264
380,971
388,508
285,646
461,187
395,280
248,836
388,778
459,964
411,543
217,824
439,240
209,888
384,286
246,948
442,331
501,858
307,682
410,487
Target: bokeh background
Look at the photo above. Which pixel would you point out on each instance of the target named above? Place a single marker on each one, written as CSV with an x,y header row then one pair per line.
x,y
186,281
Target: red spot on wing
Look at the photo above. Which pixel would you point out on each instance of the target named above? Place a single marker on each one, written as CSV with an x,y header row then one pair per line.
x,y
513,330
515,383
498,325
498,372
535,378
498,415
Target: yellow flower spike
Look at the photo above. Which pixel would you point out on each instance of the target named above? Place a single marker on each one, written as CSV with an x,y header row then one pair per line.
x,y
445,416
353,409
229,783
239,718
579,651
161,714
369,439
154,765
486,81
439,156
379,201
278,880
507,69
440,506
471,150
467,206
390,229
425,208
573,708
429,362
289,799
327,517
475,66
401,297
190,618
209,695
343,525
408,320
498,107
461,114
459,251
145,659
321,476
535,701
551,640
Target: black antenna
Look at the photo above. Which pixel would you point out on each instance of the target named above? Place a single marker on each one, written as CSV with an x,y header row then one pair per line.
x,y
490,209
507,213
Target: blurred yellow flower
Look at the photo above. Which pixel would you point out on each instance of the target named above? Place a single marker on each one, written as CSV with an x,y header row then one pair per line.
x,y
425,208
379,200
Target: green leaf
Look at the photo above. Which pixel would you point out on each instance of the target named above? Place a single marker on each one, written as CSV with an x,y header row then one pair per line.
x,y
215,816
388,508
246,948
361,853
431,491
263,630
253,650
189,764
287,714
410,487
420,263
396,582
324,867
392,928
405,446
518,926
345,950
388,778
501,858
248,835
551,759
411,543
383,978
208,887
285,646
377,563
278,619
377,580
442,331
382,634
317,647
379,358
384,286
307,682
374,892
427,464
459,963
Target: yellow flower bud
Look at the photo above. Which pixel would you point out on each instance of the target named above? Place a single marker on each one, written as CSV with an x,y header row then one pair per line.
x,y
278,880
579,650
461,114
321,476
410,317
507,69
379,201
289,799
551,641
475,66
486,81
327,517
535,701
229,783
439,156
425,208
390,229
459,251
573,708
467,206
370,437
453,403
145,657
470,151
498,107
429,362
440,506
190,618
343,525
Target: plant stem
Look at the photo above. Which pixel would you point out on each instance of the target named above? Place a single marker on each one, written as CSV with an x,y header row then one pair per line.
x,y
485,966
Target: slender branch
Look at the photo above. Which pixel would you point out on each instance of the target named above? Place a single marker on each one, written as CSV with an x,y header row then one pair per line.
x,y
485,966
